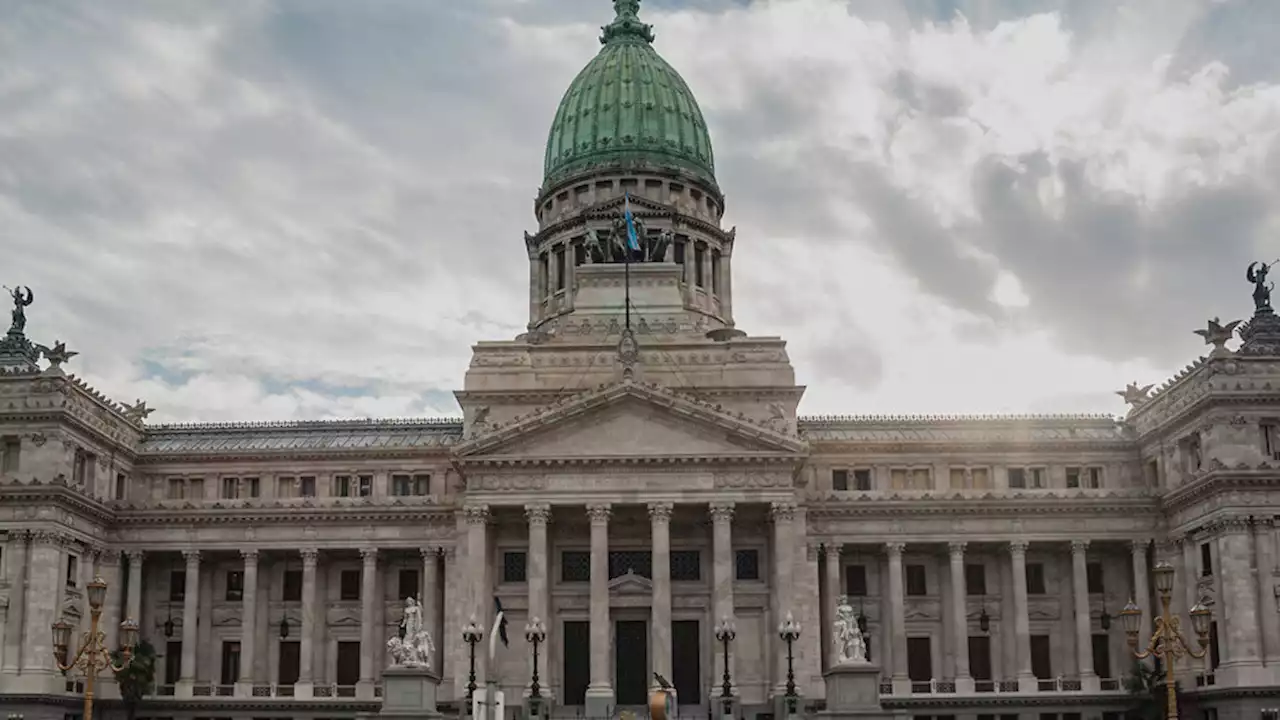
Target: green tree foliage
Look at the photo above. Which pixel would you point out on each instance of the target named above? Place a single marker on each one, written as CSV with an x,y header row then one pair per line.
x,y
137,680
1146,687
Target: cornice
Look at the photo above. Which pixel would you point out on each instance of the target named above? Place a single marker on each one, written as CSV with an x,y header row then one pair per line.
x,y
830,507
321,707
699,459
641,207
57,493
308,456
1220,480
1010,700
442,516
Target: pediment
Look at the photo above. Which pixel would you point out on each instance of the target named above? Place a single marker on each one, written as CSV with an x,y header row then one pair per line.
x,y
613,206
630,583
631,421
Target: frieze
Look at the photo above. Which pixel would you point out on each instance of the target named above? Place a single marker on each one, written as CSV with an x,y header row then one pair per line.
x,y
923,609
751,480
1044,608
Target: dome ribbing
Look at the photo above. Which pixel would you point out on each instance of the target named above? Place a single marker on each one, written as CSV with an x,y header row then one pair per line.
x,y
628,107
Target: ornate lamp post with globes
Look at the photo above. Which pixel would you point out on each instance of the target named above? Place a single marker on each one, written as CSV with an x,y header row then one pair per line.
x,y
472,634
93,656
789,632
726,633
1167,641
535,632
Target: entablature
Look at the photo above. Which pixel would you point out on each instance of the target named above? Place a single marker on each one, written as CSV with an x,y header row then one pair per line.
x,y
690,485
282,514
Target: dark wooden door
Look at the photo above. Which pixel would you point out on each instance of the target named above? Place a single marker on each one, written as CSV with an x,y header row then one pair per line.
x,y
172,662
1041,659
1102,655
230,662
290,662
919,659
347,671
631,661
980,657
577,661
686,661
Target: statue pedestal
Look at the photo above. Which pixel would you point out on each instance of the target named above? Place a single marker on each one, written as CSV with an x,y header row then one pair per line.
x,y
853,691
409,693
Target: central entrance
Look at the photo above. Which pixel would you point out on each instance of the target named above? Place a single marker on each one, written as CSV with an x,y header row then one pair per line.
x,y
631,661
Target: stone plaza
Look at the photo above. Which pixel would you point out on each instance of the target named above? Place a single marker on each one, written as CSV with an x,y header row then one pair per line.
x,y
632,473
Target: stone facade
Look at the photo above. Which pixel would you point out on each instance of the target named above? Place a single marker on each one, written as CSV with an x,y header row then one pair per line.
x,y
632,475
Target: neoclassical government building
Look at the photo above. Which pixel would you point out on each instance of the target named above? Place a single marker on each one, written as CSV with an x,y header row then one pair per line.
x,y
632,472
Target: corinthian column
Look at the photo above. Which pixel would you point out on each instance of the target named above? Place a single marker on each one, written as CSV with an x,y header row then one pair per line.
x,y
660,630
477,591
368,638
599,701
1142,595
960,618
538,515
831,566
722,576
784,555
248,622
431,600
898,619
306,648
1021,620
190,609
133,599
16,550
1084,624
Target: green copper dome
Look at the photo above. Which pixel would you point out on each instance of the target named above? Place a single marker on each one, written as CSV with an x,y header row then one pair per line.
x,y
628,107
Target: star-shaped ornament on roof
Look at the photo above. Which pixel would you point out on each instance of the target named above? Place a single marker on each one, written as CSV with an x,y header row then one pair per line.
x,y
57,354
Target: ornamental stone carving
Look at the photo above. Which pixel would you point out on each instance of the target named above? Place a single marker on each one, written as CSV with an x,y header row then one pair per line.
x,y
660,512
538,514
721,512
599,513
782,511
476,514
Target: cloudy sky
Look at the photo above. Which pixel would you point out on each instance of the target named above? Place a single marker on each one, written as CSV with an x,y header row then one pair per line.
x,y
312,208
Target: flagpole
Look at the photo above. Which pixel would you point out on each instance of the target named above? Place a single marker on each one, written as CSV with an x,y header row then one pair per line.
x,y
626,283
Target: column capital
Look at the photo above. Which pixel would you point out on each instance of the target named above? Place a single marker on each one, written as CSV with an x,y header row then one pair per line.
x,y
250,556
1139,547
660,512
1263,524
1079,547
895,548
1018,547
192,557
599,513
833,548
135,556
812,548
450,552
538,514
782,511
429,551
108,556
476,514
721,512
309,556
369,555
956,549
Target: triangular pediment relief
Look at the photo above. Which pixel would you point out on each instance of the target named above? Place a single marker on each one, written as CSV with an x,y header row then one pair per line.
x,y
629,420
613,206
629,582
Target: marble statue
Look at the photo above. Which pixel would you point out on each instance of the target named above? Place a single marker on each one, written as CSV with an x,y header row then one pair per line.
x,y
850,646
413,646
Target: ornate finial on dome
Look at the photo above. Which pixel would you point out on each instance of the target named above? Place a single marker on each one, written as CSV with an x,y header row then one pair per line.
x,y
626,25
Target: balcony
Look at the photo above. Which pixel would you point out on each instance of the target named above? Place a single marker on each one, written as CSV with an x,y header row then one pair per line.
x,y
947,686
320,691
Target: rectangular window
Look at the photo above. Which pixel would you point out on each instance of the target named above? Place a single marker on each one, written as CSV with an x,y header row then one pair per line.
x,y
715,271
292,586
286,487
249,487
862,480
177,585
230,488
544,273
515,566
195,488
230,662
699,262
839,480
343,486
1102,655
410,485
409,584
1041,657
235,585
1017,478
1093,576
1093,478
1035,579
975,579
84,467
176,487
855,580
349,585
1074,475
686,565
575,566
366,485
172,662
1270,439
10,449
1206,560
290,662
916,580
1036,478
980,657
307,486
746,564
122,482
679,253
560,278
73,570
638,562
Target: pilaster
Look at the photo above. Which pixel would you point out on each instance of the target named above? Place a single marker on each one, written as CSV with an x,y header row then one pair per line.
x,y
477,600
660,625
368,637
1243,664
960,619
897,619
538,515
1080,603
1021,619
831,552
599,696
1141,589
305,686
190,624
248,624
1264,538
722,577
784,543
18,554
430,597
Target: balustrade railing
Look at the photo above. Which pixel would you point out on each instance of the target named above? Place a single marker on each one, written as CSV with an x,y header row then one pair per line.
x,y
947,686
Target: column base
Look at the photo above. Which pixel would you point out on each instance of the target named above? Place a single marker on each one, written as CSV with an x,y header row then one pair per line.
x,y
901,685
243,689
364,690
599,701
1028,683
185,689
965,685
304,690
1090,683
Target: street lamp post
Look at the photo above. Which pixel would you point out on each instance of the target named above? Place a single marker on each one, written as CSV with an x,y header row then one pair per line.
x,y
535,632
726,633
1167,641
93,656
789,631
472,634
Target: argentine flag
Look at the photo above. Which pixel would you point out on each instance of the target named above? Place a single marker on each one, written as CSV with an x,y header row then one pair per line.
x,y
632,241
